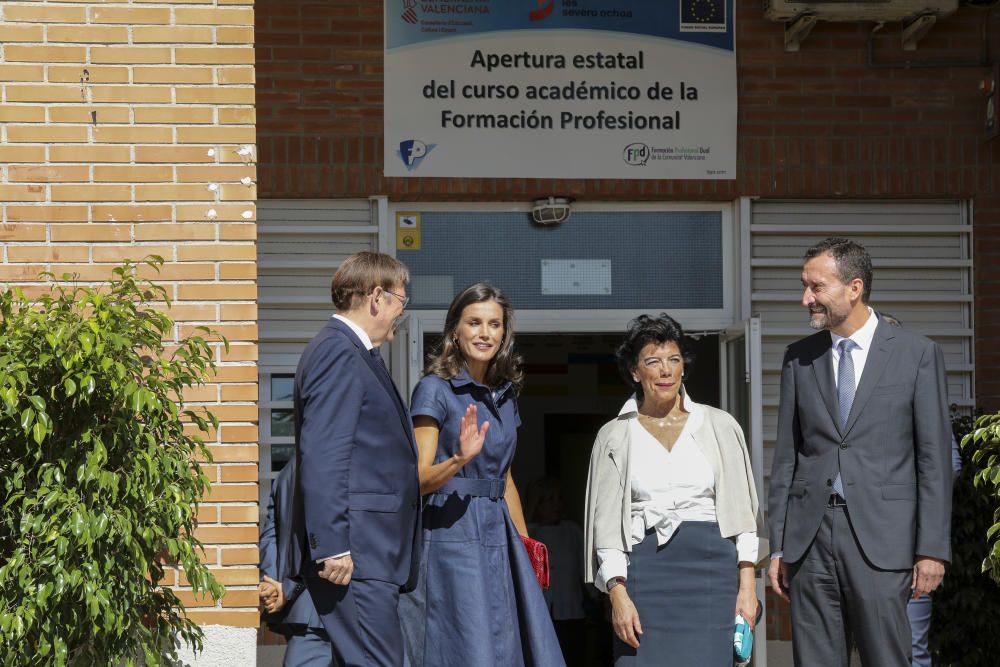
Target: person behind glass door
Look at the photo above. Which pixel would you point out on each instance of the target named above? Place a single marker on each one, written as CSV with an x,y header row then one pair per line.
x,y
671,513
477,601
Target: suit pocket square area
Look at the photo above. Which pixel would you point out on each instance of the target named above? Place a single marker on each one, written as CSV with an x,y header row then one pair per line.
x,y
374,502
899,491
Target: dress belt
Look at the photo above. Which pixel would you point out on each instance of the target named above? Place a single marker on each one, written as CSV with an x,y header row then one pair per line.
x,y
466,486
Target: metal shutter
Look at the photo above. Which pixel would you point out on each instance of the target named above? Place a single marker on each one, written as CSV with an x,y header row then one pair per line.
x,y
300,244
922,256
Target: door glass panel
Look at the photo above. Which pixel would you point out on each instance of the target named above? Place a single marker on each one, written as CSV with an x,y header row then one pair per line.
x,y
739,392
280,455
282,424
281,387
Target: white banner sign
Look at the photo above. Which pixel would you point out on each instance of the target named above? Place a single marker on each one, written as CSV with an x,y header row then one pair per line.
x,y
560,89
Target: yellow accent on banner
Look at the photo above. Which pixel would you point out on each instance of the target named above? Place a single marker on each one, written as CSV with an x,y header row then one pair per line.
x,y
407,231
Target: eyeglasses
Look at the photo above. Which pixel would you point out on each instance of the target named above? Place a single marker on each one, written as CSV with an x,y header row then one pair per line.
x,y
402,298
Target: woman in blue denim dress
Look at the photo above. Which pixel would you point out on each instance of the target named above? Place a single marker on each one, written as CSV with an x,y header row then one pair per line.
x,y
477,601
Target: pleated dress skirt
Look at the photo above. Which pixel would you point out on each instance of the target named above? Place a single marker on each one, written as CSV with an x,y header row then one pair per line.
x,y
685,593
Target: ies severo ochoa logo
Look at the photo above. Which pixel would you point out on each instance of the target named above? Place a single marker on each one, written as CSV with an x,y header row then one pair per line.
x,y
412,152
543,9
410,11
636,154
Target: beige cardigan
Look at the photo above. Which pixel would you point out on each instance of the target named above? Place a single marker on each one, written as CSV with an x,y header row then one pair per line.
x,y
608,520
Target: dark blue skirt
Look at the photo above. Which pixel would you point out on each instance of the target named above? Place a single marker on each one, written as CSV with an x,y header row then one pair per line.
x,y
477,602
685,593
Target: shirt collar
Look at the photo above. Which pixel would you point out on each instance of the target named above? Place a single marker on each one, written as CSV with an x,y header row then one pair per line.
x,y
863,336
463,378
358,331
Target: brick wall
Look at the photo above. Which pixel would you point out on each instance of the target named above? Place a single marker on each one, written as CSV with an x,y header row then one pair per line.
x,y
120,124
819,123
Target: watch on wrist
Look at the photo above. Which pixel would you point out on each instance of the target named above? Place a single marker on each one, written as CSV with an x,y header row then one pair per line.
x,y
616,581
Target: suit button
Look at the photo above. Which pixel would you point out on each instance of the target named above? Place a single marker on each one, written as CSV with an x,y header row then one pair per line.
x,y
844,446
829,482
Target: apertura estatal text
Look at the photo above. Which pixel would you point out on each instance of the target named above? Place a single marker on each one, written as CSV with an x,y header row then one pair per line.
x,y
526,60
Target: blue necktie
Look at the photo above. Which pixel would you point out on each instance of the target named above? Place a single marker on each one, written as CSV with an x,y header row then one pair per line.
x,y
846,387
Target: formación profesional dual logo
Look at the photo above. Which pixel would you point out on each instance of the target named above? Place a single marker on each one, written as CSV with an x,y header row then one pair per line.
x,y
412,152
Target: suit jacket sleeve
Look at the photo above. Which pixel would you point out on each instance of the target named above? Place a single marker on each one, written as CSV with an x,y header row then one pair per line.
x,y
786,446
932,447
269,541
332,397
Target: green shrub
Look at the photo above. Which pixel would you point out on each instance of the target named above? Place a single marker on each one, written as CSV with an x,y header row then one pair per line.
x,y
100,480
985,444
967,606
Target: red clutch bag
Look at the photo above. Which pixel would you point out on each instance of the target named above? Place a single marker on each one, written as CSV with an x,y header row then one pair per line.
x,y
538,554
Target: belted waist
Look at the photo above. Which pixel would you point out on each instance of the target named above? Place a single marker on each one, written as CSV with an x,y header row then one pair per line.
x,y
466,486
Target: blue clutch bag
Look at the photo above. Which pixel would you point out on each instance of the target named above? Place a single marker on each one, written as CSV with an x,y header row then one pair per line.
x,y
742,642
743,638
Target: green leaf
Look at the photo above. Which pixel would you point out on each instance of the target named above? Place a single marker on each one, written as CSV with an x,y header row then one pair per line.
x,y
27,419
70,386
38,402
76,523
38,432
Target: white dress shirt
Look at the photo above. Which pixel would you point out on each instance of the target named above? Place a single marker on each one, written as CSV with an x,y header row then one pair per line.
x,y
668,488
862,344
367,342
358,331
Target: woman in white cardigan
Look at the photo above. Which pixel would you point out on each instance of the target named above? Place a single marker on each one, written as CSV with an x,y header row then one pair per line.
x,y
672,515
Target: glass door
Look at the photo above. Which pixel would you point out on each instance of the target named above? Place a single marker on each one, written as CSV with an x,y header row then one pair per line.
x,y
742,396
406,355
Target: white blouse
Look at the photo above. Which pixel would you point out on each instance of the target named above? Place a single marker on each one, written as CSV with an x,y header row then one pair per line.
x,y
668,488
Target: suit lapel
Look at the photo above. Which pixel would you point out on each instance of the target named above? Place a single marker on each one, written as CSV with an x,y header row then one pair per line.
x,y
876,363
823,368
382,374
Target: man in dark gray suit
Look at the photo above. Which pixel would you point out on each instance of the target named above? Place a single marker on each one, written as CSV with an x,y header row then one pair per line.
x,y
860,499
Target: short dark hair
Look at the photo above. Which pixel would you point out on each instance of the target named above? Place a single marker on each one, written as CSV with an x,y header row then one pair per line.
x,y
362,272
852,260
505,365
642,331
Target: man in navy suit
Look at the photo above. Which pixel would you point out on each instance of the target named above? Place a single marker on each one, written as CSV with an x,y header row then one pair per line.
x,y
288,606
357,496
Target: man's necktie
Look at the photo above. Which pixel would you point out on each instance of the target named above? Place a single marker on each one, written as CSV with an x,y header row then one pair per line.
x,y
378,357
846,387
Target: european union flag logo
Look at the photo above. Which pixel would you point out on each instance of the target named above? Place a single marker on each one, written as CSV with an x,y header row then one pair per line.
x,y
703,13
